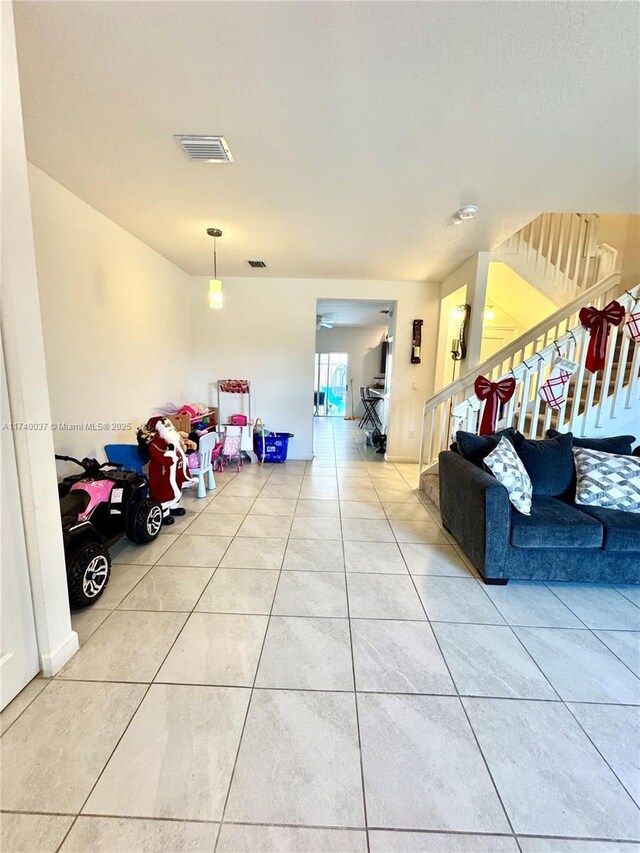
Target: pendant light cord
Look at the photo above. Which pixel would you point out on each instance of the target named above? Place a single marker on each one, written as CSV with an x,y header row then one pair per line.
x,y
215,259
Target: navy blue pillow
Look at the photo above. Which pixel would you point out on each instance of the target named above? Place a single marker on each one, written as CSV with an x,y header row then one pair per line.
x,y
475,447
614,444
549,463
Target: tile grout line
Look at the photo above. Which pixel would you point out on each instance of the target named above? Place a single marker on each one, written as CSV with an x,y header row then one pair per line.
x,y
355,691
567,705
253,686
593,630
137,708
464,711
335,828
364,692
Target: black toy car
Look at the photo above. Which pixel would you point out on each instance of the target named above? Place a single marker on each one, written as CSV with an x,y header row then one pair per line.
x,y
97,507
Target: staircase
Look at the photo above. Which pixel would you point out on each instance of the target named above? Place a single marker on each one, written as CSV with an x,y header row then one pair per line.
x,y
559,254
604,403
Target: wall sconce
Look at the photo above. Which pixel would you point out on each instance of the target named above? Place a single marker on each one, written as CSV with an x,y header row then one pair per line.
x,y
490,313
216,297
416,342
463,312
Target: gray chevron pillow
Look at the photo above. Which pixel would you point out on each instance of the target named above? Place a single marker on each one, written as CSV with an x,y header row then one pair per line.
x,y
607,480
506,466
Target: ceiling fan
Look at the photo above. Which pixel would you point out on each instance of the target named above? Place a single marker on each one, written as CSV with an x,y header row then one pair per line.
x,y
322,322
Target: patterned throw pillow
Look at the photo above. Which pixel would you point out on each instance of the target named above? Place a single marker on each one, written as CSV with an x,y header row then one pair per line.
x,y
607,480
506,466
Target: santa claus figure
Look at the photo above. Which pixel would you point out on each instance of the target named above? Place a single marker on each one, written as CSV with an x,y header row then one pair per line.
x,y
168,471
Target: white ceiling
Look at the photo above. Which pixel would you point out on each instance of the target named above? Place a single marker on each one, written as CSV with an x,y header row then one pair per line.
x,y
354,312
357,127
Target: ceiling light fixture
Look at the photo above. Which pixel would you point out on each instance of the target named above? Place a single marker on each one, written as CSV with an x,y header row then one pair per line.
x,y
490,313
462,214
216,297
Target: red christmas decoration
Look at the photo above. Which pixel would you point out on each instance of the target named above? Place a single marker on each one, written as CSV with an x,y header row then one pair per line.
x,y
494,393
598,322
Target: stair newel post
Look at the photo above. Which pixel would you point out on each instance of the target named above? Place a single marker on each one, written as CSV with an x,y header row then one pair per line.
x,y
444,422
432,437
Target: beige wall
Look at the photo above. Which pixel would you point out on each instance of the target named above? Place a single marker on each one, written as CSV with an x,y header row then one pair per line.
x,y
24,360
126,331
116,321
472,277
266,333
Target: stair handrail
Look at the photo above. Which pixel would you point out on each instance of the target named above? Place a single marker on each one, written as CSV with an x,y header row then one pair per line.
x,y
532,334
548,352
441,412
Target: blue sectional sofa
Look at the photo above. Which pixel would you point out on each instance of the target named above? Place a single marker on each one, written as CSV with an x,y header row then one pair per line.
x,y
559,541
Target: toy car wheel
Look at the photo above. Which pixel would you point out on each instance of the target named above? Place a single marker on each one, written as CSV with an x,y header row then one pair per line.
x,y
145,521
88,571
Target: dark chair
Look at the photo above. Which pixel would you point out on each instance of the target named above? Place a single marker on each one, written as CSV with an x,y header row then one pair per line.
x,y
319,398
370,416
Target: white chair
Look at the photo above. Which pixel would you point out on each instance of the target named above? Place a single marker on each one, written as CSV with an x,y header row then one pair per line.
x,y
207,443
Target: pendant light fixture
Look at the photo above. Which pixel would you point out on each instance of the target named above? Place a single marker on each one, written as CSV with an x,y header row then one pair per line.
x,y
216,297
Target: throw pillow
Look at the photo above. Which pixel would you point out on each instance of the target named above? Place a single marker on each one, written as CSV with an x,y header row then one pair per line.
x,y
608,480
474,447
548,461
620,444
506,466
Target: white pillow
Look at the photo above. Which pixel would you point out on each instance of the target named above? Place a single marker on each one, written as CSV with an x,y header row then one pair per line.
x,y
506,466
607,480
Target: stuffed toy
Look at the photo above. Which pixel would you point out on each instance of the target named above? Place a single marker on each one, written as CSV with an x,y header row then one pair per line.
x,y
168,471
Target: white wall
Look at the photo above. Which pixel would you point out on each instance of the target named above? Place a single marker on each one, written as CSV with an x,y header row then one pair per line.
x,y
27,381
116,321
363,347
266,333
472,275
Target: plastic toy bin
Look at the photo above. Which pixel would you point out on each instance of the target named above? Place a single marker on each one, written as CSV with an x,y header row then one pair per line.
x,y
274,448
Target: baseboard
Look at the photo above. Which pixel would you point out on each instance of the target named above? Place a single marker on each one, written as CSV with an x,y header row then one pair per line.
x,y
53,663
406,459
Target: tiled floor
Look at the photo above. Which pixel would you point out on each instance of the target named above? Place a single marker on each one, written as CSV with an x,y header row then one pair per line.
x,y
212,704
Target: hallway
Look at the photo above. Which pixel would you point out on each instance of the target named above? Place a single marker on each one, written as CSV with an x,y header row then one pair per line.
x,y
212,703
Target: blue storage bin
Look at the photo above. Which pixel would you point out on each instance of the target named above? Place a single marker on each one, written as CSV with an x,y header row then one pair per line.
x,y
274,448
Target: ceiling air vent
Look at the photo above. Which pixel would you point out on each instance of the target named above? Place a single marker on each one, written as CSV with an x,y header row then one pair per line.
x,y
209,149
257,264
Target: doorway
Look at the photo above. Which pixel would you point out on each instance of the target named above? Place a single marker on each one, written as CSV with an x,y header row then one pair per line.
x,y
330,384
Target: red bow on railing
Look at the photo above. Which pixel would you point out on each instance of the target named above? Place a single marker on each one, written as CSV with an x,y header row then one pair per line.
x,y
598,322
493,393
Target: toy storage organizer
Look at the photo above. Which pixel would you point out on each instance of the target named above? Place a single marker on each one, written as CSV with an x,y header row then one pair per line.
x,y
234,410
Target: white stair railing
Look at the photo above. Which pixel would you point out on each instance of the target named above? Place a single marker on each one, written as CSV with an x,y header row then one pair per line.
x,y
592,398
559,253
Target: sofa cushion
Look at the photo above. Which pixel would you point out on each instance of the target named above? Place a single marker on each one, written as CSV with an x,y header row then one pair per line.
x,y
608,480
613,444
549,463
621,529
555,524
506,466
475,447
